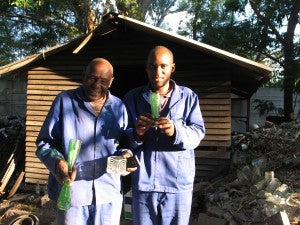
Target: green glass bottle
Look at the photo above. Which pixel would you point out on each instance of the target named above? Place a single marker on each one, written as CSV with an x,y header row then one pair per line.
x,y
155,104
64,198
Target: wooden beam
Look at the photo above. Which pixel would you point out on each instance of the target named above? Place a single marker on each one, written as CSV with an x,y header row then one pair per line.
x,y
16,185
36,181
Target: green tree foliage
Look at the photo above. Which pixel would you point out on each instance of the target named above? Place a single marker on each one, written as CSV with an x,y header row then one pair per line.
x,y
258,29
28,26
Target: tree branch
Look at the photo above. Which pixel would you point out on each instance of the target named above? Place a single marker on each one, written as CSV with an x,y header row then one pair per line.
x,y
266,21
292,22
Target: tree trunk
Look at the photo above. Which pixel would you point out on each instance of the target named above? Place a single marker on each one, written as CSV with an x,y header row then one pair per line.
x,y
288,86
144,6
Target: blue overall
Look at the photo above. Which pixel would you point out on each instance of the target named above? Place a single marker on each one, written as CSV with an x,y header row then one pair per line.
x,y
72,117
164,181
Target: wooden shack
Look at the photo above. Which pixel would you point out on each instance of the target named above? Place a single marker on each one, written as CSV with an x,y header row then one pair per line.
x,y
211,72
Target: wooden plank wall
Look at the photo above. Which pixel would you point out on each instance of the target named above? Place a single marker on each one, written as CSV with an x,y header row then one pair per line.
x,y
43,86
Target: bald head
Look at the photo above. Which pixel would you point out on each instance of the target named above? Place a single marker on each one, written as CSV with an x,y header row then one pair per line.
x,y
106,65
98,79
162,50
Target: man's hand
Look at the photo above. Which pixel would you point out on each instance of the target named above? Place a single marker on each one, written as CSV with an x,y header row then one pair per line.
x,y
166,126
62,172
126,155
144,122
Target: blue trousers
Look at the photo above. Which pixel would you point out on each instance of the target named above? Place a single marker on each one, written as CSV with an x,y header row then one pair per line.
x,y
159,208
104,214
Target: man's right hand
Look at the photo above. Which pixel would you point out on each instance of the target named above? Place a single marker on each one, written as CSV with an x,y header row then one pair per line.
x,y
62,172
144,122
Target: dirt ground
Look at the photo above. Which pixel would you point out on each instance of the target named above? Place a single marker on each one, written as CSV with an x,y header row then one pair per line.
x,y
28,202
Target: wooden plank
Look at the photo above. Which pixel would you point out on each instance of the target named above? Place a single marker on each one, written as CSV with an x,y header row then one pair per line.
x,y
34,123
217,125
42,92
30,143
209,137
36,107
36,118
35,165
31,149
215,107
32,159
215,143
212,154
35,181
196,81
37,75
217,131
9,170
37,175
32,133
217,119
214,101
28,138
36,102
16,185
33,128
30,154
56,74
36,112
37,170
53,82
213,95
58,68
198,89
220,113
41,97
51,87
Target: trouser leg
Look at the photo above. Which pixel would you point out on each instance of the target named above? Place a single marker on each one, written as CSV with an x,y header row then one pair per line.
x,y
73,216
108,214
175,208
144,208
103,214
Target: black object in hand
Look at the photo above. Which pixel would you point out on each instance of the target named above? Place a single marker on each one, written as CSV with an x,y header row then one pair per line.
x,y
132,162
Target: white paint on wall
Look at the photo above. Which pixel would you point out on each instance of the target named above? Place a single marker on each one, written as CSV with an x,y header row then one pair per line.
x,y
239,108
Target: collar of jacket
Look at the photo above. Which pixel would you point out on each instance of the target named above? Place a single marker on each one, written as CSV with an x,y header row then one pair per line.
x,y
80,96
177,94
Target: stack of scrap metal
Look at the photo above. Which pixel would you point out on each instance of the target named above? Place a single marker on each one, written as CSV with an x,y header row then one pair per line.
x,y
12,154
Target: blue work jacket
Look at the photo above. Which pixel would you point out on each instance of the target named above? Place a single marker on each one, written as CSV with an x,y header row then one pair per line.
x,y
71,117
167,163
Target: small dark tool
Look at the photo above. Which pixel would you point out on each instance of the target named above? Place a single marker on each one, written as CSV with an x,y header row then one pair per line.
x,y
132,162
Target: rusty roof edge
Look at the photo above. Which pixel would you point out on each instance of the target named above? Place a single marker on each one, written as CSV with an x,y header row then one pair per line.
x,y
11,67
228,56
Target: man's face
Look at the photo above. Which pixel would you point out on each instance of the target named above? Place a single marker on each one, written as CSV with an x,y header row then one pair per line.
x,y
97,81
159,68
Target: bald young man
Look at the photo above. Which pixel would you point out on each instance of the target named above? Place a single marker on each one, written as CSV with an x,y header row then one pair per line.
x,y
97,118
162,185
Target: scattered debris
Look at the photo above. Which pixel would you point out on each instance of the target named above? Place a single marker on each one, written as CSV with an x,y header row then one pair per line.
x,y
264,183
12,150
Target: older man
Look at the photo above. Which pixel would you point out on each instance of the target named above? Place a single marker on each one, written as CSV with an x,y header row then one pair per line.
x,y
97,118
162,185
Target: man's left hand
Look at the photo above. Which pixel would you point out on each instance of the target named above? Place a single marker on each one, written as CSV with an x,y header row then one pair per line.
x,y
166,126
126,155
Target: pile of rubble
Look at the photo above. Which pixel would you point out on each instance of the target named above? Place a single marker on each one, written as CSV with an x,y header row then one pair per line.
x,y
12,151
263,185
